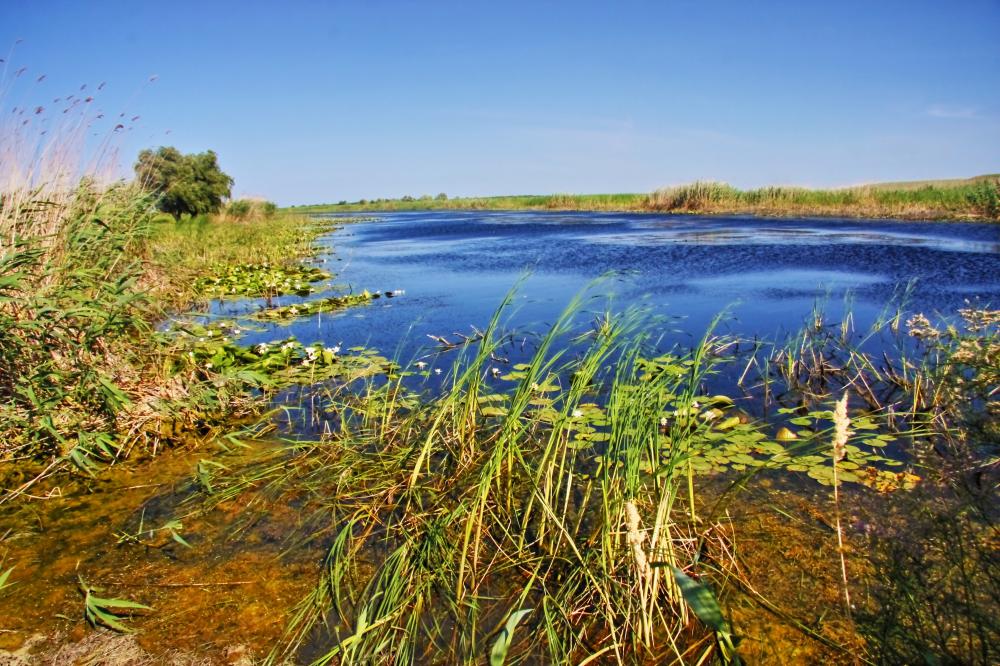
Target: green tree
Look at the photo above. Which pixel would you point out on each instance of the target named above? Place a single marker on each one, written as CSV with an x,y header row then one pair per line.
x,y
187,184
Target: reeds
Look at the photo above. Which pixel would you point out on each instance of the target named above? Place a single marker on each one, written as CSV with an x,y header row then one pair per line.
x,y
974,198
515,497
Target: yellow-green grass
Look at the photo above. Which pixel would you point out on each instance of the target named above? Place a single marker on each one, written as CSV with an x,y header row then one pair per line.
x,y
975,198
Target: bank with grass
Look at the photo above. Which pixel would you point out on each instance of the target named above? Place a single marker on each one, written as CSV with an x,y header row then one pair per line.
x,y
87,376
595,503
975,198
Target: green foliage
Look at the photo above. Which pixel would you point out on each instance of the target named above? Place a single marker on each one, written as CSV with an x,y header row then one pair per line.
x,y
240,208
985,196
212,351
246,209
187,184
4,577
68,301
977,198
106,612
260,280
187,253
498,655
308,308
706,608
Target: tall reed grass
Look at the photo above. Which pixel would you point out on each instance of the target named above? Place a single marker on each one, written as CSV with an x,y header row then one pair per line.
x,y
85,276
976,198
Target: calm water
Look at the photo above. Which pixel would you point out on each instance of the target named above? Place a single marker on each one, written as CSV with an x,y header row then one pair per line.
x,y
455,267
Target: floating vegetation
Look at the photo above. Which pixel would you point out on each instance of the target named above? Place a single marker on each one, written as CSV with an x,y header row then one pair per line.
x,y
719,438
329,304
260,280
210,349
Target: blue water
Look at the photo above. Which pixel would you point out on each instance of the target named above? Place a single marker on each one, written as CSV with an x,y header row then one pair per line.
x,y
768,275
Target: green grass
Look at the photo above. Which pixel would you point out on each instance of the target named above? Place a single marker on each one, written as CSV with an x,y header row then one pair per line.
x,y
972,198
516,202
212,256
86,274
566,492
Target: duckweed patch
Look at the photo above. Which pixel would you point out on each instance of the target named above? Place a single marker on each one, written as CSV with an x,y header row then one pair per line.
x,y
260,280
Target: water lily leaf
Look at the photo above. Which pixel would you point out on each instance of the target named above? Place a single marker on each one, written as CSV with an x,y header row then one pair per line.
x,y
494,411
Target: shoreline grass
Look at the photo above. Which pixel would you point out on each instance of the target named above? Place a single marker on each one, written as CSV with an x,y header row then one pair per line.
x,y
960,199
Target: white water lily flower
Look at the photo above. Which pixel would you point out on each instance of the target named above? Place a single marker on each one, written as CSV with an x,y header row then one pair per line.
x,y
577,413
262,347
210,333
421,365
336,349
437,371
663,421
201,339
495,371
305,362
288,345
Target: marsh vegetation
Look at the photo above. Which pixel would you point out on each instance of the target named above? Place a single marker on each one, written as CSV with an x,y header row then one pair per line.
x,y
180,460
973,198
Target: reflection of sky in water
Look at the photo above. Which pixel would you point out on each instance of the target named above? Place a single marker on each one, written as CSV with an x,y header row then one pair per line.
x,y
767,275
660,233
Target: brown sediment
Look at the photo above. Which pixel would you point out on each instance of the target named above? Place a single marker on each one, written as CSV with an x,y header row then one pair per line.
x,y
206,599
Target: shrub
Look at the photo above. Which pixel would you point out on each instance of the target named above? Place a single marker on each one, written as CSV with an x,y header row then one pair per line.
x,y
251,209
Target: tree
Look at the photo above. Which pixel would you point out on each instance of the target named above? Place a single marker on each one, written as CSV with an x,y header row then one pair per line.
x,y
188,184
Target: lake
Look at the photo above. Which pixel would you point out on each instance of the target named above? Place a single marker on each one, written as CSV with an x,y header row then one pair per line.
x,y
766,274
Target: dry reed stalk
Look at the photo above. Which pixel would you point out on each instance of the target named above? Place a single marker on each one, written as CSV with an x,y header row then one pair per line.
x,y
842,431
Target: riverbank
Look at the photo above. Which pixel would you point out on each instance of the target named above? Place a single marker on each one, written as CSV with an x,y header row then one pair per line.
x,y
87,375
960,199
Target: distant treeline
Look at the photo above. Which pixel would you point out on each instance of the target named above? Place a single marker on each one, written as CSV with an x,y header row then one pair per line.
x,y
972,198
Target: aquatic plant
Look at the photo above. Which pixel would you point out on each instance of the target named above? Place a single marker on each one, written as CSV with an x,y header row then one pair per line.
x,y
4,577
565,485
316,306
260,280
106,612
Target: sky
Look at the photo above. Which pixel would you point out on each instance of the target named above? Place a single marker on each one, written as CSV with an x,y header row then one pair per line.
x,y
309,102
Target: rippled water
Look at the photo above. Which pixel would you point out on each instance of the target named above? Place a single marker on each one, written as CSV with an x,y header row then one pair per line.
x,y
455,267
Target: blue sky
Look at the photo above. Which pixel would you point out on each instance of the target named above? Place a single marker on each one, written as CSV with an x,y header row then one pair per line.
x,y
311,102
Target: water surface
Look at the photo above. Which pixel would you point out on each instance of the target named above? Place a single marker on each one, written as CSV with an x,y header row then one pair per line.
x,y
767,275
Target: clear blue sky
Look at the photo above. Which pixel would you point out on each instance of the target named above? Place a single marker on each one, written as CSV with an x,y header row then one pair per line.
x,y
320,101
